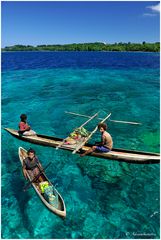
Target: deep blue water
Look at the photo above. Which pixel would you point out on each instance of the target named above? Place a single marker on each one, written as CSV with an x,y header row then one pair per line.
x,y
104,199
81,60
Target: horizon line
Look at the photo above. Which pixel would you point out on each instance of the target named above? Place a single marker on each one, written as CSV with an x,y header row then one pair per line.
x,y
48,44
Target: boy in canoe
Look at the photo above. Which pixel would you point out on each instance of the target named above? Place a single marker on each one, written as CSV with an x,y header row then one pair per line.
x,y
24,128
106,143
31,164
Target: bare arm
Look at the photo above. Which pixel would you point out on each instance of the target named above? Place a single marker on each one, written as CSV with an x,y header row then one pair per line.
x,y
39,164
24,171
105,139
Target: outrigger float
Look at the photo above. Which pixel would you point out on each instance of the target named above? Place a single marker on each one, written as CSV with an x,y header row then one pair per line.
x,y
80,145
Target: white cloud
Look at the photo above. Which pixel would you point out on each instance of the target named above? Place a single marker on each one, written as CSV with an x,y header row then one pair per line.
x,y
155,8
149,15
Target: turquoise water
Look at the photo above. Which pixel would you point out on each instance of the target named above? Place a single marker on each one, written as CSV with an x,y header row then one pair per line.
x,y
104,199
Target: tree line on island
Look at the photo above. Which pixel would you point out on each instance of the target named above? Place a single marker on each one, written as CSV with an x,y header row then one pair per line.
x,y
97,46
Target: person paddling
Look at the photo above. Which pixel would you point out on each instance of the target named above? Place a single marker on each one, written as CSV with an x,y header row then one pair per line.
x,y
31,164
24,128
106,143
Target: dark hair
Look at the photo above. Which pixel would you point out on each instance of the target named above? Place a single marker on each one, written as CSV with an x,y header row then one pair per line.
x,y
102,125
23,117
31,151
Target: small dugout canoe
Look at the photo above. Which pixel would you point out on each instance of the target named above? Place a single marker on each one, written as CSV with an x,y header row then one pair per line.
x,y
122,155
61,209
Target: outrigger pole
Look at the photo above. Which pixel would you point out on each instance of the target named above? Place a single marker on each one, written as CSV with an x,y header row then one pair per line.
x,y
82,143
81,115
79,127
117,121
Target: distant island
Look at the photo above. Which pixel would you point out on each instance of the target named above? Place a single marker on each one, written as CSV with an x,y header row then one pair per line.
x,y
96,46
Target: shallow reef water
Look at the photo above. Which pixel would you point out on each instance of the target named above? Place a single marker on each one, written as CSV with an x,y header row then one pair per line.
x,y
104,198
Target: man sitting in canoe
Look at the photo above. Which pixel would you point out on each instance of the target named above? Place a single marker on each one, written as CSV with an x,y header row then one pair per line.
x,y
106,143
31,164
24,128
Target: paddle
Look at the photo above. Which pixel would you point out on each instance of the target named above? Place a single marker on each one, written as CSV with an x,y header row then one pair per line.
x,y
35,178
82,115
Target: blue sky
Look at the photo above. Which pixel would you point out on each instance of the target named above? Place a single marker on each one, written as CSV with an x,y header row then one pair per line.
x,y
33,23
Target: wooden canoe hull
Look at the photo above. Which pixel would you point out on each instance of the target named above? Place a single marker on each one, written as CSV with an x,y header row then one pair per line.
x,y
61,212
121,155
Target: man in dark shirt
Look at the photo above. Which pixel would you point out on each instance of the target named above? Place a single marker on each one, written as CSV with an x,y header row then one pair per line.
x,y
31,165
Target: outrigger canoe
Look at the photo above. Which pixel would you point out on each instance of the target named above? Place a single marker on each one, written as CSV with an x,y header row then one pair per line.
x,y
117,154
60,210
